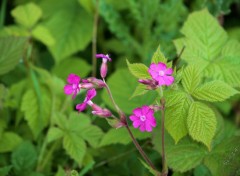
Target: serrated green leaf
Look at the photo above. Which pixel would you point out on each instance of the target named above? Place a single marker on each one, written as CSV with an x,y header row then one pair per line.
x,y
9,141
74,34
176,115
24,158
72,65
138,70
140,90
27,15
122,80
158,56
11,51
202,29
53,134
214,91
201,123
93,135
74,146
42,34
36,113
121,136
184,156
191,78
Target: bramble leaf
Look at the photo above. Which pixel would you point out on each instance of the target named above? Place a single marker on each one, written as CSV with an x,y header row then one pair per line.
x,y
158,56
9,141
138,70
27,15
214,91
201,123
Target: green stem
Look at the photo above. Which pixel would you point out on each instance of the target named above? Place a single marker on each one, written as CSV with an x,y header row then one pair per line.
x,y
94,40
3,12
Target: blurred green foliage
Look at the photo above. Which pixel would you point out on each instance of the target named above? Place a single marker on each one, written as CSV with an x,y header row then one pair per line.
x,y
41,42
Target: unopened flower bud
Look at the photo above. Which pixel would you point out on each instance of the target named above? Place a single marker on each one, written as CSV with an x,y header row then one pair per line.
x,y
103,69
103,113
150,83
87,85
97,82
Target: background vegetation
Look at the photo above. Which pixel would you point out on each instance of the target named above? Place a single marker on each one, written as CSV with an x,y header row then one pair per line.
x,y
43,41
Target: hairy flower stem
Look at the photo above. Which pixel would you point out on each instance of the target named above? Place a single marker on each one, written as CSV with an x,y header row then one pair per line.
x,y
124,120
94,40
164,163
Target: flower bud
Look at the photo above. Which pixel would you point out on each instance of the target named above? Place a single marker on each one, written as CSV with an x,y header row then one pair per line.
x,y
102,113
97,82
104,68
87,85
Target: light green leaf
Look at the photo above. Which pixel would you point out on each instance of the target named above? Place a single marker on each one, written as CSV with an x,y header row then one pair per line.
x,y
24,157
140,90
158,56
88,5
4,171
191,78
72,65
121,136
60,172
73,35
27,15
202,29
93,135
201,123
214,91
42,34
11,51
176,114
54,133
74,146
122,80
9,141
184,156
36,113
138,70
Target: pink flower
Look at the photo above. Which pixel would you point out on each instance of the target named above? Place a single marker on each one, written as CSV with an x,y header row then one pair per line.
x,y
90,94
161,74
143,118
73,85
104,68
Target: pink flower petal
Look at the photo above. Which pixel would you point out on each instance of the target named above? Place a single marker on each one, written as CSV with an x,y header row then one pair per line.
x,y
160,80
137,123
91,93
152,121
142,127
73,79
68,89
168,80
133,118
137,112
148,127
150,113
169,71
145,109
161,66
81,107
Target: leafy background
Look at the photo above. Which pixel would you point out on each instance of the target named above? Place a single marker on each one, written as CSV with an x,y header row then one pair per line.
x,y
43,41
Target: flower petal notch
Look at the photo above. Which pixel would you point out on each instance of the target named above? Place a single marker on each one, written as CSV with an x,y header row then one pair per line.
x,y
143,118
73,86
160,73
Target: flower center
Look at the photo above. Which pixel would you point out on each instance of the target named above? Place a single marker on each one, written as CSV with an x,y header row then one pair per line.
x,y
74,86
143,118
161,73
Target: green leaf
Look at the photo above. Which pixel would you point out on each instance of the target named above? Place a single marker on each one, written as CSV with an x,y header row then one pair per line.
x,y
9,141
139,70
176,114
191,78
11,51
74,34
207,36
36,113
60,172
4,171
74,146
140,90
88,5
42,34
24,158
201,123
121,80
184,156
27,15
158,56
151,170
72,65
214,91
93,135
121,136
53,134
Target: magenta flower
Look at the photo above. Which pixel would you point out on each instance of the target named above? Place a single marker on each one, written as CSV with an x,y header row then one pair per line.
x,y
73,85
160,73
104,68
90,94
143,118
